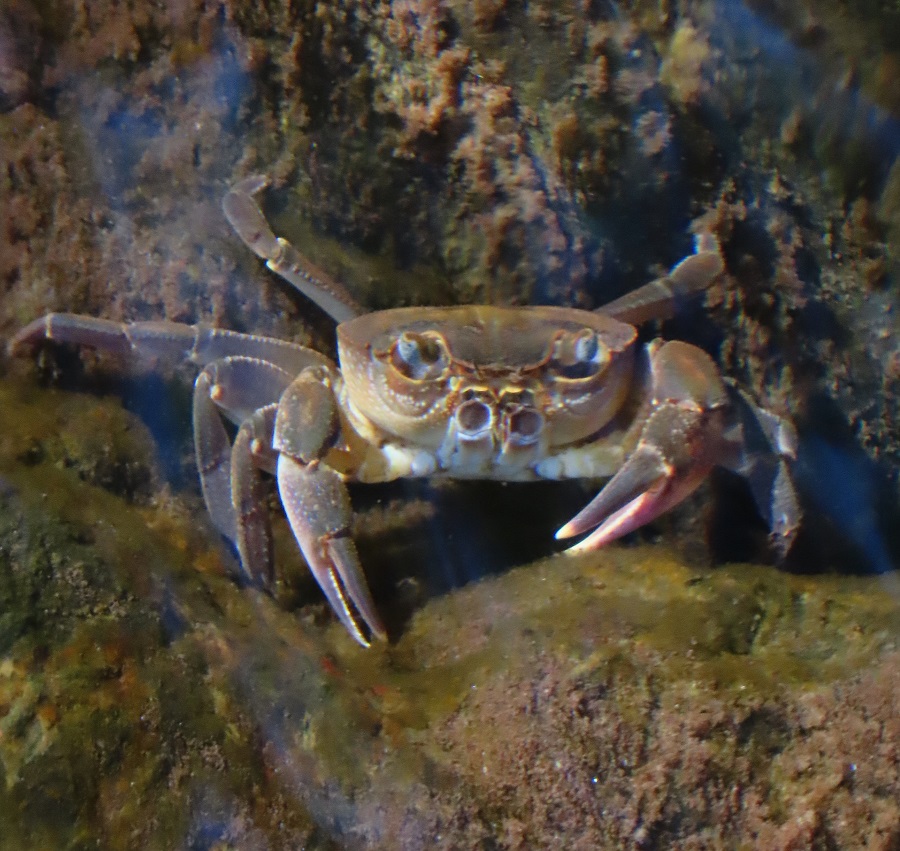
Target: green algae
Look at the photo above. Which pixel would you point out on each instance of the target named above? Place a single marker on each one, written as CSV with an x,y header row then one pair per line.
x,y
99,441
112,723
736,628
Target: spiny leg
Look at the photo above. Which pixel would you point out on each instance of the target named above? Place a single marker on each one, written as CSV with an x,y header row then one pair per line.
x,y
659,299
229,476
212,450
201,344
251,452
241,385
762,446
246,390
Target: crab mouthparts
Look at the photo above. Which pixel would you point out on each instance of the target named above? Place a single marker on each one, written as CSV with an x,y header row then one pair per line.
x,y
485,434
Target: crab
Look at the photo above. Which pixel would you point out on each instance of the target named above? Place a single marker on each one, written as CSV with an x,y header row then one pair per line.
x,y
476,392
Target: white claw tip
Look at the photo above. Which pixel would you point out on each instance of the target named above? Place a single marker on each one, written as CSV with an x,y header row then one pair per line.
x,y
563,532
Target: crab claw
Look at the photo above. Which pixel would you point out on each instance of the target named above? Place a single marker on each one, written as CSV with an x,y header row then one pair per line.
x,y
317,504
656,477
681,440
318,509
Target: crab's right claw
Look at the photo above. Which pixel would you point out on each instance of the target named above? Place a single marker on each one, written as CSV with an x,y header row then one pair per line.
x,y
317,504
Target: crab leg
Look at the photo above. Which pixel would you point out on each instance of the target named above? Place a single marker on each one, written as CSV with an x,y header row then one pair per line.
x,y
199,343
681,440
762,447
659,299
213,453
243,377
246,390
244,215
250,453
317,503
240,385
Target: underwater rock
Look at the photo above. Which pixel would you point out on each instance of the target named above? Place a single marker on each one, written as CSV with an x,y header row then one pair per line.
x,y
625,697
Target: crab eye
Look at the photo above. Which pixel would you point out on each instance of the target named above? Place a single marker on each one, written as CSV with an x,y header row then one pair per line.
x,y
580,355
419,356
586,345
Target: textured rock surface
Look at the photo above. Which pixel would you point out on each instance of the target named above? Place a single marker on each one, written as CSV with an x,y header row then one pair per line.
x,y
625,699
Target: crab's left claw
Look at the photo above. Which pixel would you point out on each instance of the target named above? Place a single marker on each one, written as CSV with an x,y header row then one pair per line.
x,y
672,458
682,438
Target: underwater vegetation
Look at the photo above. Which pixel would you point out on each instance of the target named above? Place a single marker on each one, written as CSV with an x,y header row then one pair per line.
x,y
655,695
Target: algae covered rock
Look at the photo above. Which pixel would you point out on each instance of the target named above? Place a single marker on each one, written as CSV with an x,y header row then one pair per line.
x,y
624,698
105,734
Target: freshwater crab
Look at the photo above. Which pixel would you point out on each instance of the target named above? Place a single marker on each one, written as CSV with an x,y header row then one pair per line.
x,y
509,393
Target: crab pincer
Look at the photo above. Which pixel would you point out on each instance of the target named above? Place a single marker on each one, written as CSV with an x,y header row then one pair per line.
x,y
681,439
317,504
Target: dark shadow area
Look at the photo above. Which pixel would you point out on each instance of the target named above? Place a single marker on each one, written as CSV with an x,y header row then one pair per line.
x,y
474,530
851,514
853,520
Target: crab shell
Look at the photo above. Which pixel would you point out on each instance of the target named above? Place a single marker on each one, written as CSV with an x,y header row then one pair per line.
x,y
490,391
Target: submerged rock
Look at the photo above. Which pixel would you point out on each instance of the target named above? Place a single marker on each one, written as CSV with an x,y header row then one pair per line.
x,y
625,698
